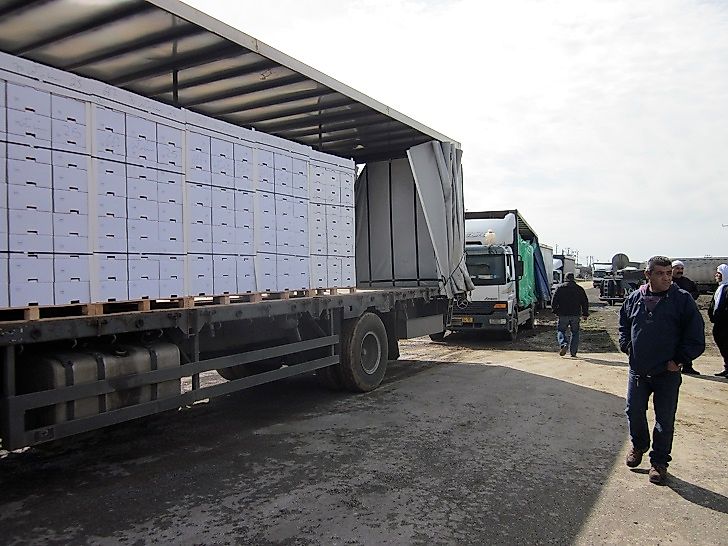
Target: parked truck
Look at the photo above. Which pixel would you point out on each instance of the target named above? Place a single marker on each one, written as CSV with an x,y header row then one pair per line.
x,y
506,265
563,264
702,271
75,368
599,271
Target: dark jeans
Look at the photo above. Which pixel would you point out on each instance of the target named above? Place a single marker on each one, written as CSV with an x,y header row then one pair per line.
x,y
572,322
665,387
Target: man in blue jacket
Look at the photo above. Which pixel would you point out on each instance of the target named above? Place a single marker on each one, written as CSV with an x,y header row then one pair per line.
x,y
661,329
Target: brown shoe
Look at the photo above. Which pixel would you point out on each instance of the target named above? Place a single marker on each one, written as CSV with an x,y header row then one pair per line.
x,y
634,457
562,351
658,473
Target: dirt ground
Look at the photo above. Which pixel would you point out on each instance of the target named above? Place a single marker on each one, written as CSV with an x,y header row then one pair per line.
x,y
470,441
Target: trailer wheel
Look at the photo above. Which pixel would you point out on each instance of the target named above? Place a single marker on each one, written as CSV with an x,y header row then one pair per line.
x,y
440,336
364,353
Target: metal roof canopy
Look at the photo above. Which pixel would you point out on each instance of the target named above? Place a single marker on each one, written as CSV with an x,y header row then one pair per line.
x,y
171,52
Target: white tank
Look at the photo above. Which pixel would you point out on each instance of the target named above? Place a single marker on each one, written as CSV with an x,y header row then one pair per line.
x,y
489,232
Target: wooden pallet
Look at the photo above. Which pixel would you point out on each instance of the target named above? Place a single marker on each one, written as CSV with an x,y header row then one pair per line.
x,y
40,312
330,291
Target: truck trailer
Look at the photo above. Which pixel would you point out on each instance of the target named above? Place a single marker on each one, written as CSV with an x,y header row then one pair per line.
x,y
563,264
81,366
506,265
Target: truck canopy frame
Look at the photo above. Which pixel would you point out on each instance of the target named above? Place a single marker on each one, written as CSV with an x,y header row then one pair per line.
x,y
171,52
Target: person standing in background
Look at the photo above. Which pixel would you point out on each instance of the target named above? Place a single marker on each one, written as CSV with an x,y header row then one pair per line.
x,y
718,315
679,278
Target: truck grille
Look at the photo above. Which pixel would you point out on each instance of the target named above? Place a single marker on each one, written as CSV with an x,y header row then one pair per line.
x,y
476,308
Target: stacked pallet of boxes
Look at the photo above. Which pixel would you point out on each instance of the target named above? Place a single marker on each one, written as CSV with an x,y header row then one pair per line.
x,y
109,196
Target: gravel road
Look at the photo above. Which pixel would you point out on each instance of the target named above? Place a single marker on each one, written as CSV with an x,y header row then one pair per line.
x,y
471,441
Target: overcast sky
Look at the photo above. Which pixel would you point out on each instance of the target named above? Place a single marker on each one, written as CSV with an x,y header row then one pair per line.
x,y
604,122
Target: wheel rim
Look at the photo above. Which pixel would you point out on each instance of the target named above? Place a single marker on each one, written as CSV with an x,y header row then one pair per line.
x,y
371,353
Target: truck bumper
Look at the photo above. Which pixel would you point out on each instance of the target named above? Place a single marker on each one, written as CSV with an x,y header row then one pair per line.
x,y
497,321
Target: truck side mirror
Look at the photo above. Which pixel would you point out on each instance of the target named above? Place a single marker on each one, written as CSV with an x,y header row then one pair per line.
x,y
519,268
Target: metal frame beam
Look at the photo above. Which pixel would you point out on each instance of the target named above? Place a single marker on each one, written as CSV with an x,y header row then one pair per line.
x,y
264,85
272,101
229,73
280,114
214,52
110,16
374,118
312,121
152,40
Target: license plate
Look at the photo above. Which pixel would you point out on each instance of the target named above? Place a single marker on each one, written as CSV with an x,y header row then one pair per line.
x,y
467,320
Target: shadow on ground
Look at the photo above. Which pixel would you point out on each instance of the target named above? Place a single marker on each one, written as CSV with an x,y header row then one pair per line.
x,y
440,453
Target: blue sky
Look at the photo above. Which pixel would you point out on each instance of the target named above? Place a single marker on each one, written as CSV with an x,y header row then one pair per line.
x,y
605,123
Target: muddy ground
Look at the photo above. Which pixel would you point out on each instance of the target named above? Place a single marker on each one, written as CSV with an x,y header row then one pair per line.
x,y
472,441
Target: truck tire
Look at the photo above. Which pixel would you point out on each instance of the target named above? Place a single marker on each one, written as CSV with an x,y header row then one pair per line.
x,y
364,353
529,324
512,334
440,336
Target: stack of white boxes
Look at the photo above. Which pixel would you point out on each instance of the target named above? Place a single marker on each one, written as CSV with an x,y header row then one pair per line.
x,y
105,195
331,228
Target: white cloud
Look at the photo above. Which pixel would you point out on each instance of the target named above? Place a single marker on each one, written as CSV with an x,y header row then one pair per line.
x,y
606,123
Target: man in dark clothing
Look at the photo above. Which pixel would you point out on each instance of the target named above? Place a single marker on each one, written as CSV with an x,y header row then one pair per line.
x,y
679,278
568,303
660,328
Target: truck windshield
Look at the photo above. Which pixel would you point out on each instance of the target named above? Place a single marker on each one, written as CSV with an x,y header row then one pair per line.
x,y
486,269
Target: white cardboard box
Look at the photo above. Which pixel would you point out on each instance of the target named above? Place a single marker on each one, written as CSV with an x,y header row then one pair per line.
x,y
266,273
201,275
28,125
246,274
283,273
29,267
110,177
319,272
72,292
28,99
68,109
333,267
143,267
171,267
71,268
30,197
22,172
69,136
31,293
70,201
200,239
225,274
144,289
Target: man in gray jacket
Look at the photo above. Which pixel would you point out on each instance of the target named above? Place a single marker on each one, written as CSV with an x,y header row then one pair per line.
x,y
570,304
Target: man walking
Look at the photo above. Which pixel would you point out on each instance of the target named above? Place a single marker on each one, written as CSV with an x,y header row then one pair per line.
x,y
679,278
660,328
569,303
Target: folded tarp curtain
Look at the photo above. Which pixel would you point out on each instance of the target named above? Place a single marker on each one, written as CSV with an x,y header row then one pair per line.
x,y
527,283
409,221
543,283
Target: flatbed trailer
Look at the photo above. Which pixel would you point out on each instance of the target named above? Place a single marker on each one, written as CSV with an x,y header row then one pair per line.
x,y
62,374
337,335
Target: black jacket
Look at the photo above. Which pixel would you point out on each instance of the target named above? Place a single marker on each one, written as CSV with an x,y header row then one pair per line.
x,y
570,300
673,331
719,316
687,285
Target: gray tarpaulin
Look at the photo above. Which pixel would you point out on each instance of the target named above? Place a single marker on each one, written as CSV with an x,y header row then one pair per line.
x,y
409,221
